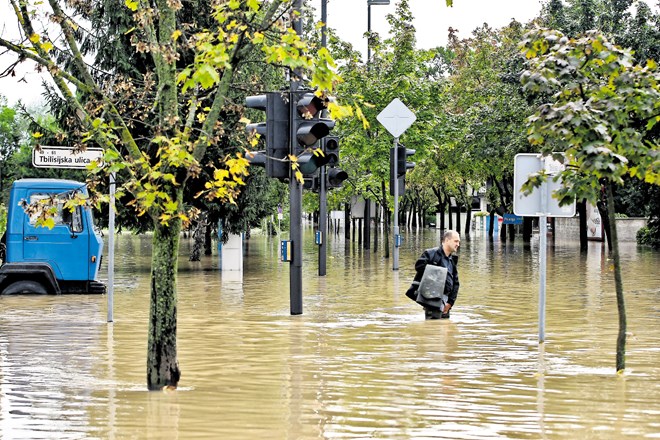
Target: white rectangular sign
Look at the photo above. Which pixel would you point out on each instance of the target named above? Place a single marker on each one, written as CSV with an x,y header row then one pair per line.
x,y
64,157
534,205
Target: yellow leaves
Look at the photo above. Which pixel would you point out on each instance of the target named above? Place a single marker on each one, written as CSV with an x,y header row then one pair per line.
x,y
132,4
257,38
47,46
34,38
340,111
176,34
298,175
171,206
361,117
37,135
47,223
253,5
220,175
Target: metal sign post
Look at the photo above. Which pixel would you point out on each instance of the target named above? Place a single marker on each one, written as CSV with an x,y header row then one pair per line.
x,y
396,118
539,203
111,249
395,245
68,157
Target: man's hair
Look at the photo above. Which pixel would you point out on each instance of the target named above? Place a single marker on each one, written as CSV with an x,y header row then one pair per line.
x,y
448,235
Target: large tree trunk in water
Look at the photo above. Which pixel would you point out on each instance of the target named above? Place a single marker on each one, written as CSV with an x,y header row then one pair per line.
x,y
620,303
162,364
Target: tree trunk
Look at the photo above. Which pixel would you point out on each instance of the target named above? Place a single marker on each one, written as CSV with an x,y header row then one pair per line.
x,y
528,223
458,216
162,364
367,224
581,208
347,222
386,219
208,239
512,232
451,220
376,226
468,222
198,237
618,283
603,209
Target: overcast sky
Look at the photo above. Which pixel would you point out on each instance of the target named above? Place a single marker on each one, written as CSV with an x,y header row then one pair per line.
x,y
432,18
349,18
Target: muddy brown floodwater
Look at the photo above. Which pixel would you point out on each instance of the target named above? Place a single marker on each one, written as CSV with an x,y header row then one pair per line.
x,y
359,363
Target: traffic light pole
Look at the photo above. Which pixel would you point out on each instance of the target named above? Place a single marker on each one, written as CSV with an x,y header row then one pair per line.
x,y
323,220
295,192
295,235
395,244
323,196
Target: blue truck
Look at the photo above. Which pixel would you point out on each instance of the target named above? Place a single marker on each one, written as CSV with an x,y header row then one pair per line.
x,y
37,259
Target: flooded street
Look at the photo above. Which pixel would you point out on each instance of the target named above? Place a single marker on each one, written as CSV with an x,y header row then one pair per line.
x,y
360,362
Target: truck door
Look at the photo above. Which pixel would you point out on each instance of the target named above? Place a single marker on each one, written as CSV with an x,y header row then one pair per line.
x,y
64,247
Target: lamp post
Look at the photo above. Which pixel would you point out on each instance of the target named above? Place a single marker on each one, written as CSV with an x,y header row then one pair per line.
x,y
369,4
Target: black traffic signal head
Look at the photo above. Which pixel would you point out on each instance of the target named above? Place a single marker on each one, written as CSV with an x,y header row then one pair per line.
x,y
310,161
256,158
331,149
402,160
309,126
275,130
311,183
335,177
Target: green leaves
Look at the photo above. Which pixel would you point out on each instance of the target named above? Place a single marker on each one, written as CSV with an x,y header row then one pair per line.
x,y
600,108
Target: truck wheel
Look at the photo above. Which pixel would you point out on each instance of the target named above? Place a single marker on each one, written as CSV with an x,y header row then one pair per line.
x,y
25,286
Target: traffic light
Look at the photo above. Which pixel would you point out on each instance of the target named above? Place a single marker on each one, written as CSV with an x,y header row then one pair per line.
x,y
402,165
331,149
309,128
311,183
402,160
276,132
335,177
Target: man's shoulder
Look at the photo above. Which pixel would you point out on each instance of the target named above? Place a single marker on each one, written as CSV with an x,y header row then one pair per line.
x,y
431,251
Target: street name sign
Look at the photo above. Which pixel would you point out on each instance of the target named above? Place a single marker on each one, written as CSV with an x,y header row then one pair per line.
x,y
65,157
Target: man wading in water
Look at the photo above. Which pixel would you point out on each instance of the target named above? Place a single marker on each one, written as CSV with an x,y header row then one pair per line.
x,y
437,301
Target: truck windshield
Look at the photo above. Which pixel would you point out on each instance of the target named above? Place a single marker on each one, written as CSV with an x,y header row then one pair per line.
x,y
61,216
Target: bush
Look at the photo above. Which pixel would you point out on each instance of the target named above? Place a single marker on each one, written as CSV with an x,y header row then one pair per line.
x,y
649,235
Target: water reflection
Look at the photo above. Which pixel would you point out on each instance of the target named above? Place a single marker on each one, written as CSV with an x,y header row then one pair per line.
x,y
361,362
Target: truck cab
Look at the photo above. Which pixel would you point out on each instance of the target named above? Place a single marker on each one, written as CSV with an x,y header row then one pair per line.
x,y
62,259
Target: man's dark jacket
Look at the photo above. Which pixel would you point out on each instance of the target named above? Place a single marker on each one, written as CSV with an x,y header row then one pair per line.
x,y
436,257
